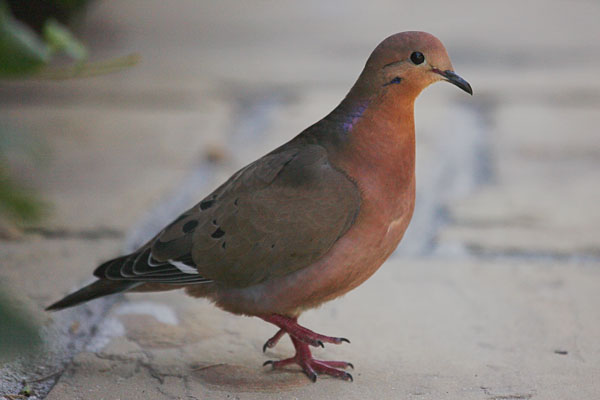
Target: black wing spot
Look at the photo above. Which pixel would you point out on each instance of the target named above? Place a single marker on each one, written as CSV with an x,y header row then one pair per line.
x,y
189,226
218,233
206,204
224,244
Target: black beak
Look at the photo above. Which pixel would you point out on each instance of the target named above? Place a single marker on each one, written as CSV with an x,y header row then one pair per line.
x,y
455,80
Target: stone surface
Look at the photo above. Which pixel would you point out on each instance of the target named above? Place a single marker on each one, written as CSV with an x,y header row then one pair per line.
x,y
458,329
492,293
542,197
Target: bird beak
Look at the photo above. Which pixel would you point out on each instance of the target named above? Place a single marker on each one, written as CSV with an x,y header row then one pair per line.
x,y
454,79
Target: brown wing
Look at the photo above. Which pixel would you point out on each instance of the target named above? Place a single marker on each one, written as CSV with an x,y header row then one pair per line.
x,y
276,216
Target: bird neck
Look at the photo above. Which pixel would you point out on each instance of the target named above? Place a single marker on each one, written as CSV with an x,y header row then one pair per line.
x,y
373,141
376,131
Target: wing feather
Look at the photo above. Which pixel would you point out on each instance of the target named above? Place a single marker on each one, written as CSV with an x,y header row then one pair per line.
x,y
273,217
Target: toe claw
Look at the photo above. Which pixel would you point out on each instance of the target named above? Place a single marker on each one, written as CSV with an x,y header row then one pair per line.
x,y
350,365
349,377
320,343
268,362
312,377
343,339
265,346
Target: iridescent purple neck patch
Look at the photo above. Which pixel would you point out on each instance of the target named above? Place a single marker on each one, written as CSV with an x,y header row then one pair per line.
x,y
354,115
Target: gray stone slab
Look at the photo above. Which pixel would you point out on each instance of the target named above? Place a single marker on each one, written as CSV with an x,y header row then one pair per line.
x,y
424,329
544,194
469,329
102,167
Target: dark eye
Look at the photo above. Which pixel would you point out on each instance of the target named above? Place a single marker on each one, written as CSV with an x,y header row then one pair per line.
x,y
417,57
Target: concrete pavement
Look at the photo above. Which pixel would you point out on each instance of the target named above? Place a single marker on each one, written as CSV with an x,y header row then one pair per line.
x,y
492,294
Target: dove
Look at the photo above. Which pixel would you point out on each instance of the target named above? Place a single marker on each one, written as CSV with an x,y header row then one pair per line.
x,y
307,222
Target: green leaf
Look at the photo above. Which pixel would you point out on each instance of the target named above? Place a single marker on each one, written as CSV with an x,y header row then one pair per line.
x,y
59,38
19,203
21,51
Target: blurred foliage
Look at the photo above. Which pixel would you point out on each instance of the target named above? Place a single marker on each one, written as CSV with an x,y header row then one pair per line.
x,y
26,50
31,37
21,51
18,204
18,334
35,13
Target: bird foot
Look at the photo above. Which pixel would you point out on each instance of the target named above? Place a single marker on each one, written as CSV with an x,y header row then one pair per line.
x,y
269,344
312,367
291,327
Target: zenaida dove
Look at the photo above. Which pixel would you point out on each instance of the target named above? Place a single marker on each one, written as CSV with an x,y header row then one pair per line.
x,y
307,222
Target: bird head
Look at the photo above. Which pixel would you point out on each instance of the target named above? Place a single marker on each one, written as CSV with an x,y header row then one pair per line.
x,y
406,63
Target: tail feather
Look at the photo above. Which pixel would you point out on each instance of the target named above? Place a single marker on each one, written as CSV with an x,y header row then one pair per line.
x,y
99,288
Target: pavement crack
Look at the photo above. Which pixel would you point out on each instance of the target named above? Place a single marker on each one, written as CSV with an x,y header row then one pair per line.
x,y
511,396
153,372
167,394
463,163
188,388
483,253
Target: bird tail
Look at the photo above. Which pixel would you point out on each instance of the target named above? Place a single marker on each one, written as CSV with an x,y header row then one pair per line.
x,y
99,288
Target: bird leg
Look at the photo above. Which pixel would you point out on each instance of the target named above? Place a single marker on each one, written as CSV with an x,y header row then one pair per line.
x,y
291,327
312,366
302,338
269,344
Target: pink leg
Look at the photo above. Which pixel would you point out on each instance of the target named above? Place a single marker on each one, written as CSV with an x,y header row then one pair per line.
x,y
311,366
269,344
302,338
290,326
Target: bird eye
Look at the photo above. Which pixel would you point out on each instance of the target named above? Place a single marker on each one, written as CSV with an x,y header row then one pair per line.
x,y
417,57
